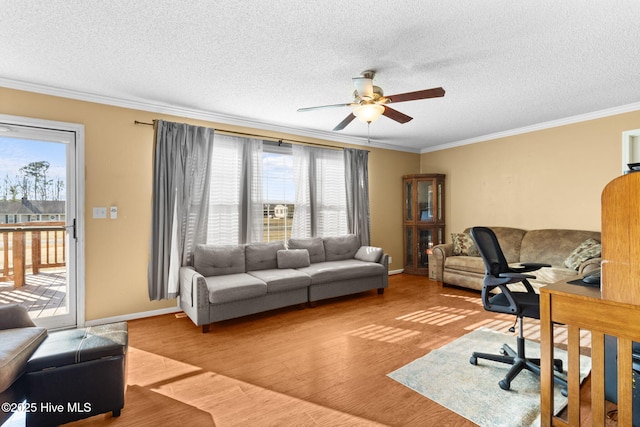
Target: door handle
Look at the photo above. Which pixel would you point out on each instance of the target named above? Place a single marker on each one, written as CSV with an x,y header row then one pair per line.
x,y
73,227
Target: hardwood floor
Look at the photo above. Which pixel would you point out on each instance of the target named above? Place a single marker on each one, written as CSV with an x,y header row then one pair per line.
x,y
322,366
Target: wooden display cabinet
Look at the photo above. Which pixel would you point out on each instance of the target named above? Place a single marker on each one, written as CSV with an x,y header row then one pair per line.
x,y
423,219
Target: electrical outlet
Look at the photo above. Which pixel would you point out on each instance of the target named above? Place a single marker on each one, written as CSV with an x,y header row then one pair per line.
x,y
113,212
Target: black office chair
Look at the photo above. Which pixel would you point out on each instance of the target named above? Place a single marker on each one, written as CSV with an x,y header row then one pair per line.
x,y
498,274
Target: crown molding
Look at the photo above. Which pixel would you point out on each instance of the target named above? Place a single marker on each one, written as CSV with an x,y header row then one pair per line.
x,y
160,108
540,126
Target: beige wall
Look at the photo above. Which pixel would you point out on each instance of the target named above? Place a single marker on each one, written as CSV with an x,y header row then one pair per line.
x,y
551,178
118,160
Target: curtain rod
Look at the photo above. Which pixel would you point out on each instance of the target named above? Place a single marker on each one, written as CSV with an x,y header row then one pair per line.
x,y
271,138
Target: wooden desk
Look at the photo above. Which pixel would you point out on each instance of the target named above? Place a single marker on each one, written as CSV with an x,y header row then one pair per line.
x,y
581,307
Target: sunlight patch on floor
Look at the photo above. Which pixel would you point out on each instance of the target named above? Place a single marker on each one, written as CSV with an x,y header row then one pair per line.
x,y
438,315
230,402
383,333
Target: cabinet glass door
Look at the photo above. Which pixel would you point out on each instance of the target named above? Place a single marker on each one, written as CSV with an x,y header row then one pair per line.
x,y
408,201
425,243
425,201
409,245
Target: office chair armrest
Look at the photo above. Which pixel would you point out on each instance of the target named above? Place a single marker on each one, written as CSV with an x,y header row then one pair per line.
x,y
515,275
532,266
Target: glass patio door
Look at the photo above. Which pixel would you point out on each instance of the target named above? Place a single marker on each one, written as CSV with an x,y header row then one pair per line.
x,y
39,213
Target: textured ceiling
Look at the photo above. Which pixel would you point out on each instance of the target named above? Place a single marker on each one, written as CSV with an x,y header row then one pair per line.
x,y
505,65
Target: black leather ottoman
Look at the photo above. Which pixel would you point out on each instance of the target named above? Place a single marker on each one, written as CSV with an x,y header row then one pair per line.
x,y
76,374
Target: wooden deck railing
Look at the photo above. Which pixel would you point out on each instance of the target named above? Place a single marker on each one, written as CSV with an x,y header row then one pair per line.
x,y
31,245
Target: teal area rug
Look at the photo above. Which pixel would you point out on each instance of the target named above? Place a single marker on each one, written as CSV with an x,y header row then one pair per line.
x,y
446,377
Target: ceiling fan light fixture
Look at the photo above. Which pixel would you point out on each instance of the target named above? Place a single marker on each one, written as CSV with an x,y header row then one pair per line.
x,y
368,113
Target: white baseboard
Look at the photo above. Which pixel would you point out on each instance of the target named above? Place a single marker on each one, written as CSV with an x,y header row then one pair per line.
x,y
159,312
132,316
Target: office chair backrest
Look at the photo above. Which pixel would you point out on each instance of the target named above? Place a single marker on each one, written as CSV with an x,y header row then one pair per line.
x,y
489,248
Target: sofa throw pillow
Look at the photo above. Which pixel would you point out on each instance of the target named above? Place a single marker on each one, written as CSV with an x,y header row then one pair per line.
x,y
368,254
588,249
463,245
293,258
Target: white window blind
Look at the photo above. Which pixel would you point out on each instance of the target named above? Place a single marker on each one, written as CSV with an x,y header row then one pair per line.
x,y
225,192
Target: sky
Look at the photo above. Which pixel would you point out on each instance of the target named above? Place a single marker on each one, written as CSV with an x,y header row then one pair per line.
x,y
277,182
16,153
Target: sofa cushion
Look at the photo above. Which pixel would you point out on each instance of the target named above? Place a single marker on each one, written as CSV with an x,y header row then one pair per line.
x,y
588,249
553,246
293,258
234,287
280,279
369,254
465,263
549,275
463,245
510,240
340,247
313,245
262,256
332,271
210,260
17,346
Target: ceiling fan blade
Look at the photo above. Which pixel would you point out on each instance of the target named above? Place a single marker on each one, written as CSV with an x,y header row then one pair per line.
x,y
345,122
420,94
396,115
364,86
325,106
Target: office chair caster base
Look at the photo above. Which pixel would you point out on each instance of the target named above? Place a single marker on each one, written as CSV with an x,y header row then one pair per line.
x,y
473,360
504,385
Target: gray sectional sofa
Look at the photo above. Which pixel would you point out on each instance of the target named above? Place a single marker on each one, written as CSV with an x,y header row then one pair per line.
x,y
233,281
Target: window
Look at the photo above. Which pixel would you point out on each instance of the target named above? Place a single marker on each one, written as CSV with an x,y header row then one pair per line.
x,y
278,191
268,191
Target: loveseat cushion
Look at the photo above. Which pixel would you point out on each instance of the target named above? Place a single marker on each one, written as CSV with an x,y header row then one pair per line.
x,y
369,254
552,246
212,260
331,271
280,279
548,275
510,240
17,346
293,258
262,256
340,247
313,245
234,287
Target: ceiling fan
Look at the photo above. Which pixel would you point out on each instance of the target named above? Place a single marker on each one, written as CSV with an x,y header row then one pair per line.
x,y
370,103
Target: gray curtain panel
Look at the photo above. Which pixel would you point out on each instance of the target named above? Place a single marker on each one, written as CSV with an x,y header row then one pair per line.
x,y
182,160
356,173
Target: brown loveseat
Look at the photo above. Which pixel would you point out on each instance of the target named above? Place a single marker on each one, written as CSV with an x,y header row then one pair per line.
x,y
571,253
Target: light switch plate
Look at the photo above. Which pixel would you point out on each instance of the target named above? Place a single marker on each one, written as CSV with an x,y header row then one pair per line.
x,y
100,212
